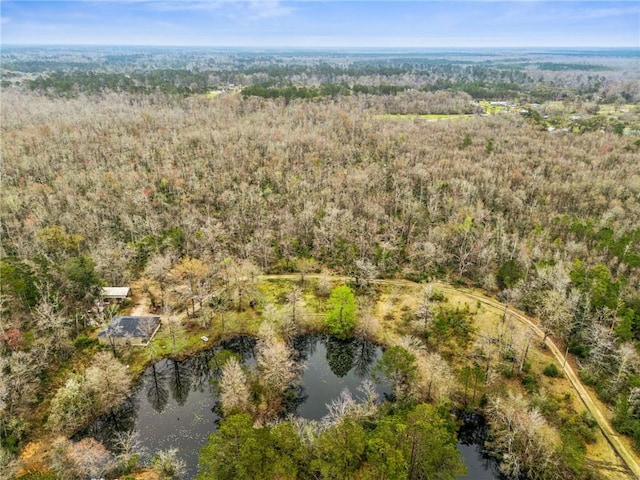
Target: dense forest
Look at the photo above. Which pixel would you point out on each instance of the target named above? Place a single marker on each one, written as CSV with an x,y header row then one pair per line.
x,y
207,170
608,76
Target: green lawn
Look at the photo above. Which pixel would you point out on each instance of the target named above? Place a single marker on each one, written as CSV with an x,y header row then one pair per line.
x,y
429,116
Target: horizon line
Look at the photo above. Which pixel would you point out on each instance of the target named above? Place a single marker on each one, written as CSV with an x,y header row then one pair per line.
x,y
295,47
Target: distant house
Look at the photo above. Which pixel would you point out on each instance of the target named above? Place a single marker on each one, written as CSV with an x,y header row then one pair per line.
x,y
115,293
135,331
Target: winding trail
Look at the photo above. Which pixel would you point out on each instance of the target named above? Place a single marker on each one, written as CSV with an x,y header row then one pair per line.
x,y
622,450
618,446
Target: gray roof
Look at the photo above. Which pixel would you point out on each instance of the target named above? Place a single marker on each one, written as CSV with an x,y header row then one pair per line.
x,y
124,327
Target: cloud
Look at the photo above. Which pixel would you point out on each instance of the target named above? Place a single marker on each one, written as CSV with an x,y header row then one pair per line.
x,y
547,13
184,5
590,14
269,9
254,9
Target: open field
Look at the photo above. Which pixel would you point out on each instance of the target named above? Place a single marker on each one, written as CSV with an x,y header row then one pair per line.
x,y
431,117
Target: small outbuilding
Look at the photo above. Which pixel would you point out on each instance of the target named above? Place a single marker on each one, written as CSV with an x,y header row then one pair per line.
x,y
135,331
115,293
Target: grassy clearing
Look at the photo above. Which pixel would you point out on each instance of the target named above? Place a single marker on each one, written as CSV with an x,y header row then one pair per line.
x,y
432,117
386,312
222,91
182,336
492,109
185,338
488,320
275,291
612,109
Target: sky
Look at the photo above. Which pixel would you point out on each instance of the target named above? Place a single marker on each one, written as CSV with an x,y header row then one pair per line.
x,y
306,23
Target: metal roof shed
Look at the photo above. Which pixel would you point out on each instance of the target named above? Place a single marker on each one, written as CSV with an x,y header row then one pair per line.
x,y
115,293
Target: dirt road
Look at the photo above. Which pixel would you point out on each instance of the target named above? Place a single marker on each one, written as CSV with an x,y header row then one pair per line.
x,y
624,452
620,448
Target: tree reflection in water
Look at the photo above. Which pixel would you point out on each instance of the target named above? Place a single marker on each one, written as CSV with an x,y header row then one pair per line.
x,y
294,398
340,355
472,434
172,405
155,378
242,345
121,419
199,366
179,381
365,354
304,346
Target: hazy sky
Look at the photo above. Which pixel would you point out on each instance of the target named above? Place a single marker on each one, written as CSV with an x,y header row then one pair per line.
x,y
353,23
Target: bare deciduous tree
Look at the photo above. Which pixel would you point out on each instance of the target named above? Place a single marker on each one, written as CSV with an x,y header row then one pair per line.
x,y
234,388
276,369
523,438
108,381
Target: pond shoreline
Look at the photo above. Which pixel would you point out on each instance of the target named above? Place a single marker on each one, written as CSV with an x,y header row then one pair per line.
x,y
189,413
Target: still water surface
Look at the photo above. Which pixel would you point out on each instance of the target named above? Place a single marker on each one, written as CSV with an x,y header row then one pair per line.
x,y
173,405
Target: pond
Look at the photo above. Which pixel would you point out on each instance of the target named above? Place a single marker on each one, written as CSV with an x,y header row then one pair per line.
x,y
173,403
471,436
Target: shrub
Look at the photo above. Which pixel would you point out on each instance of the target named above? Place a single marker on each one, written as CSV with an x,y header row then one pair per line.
x,y
509,355
82,342
506,371
552,371
509,274
438,296
167,465
583,426
530,383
